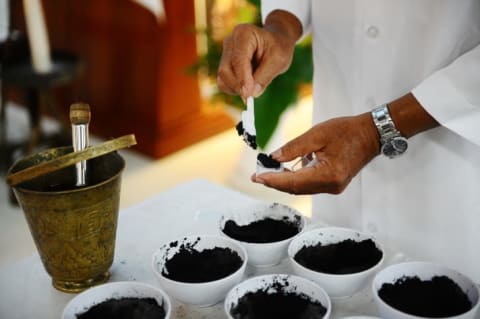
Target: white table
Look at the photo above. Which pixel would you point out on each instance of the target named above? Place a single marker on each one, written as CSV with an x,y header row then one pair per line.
x,y
191,208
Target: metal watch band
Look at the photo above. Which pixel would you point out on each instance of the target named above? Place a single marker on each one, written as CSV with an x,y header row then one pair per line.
x,y
384,123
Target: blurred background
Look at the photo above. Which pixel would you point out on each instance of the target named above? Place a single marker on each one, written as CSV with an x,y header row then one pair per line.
x,y
146,67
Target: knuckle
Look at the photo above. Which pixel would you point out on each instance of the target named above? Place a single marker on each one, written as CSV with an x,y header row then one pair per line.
x,y
279,58
294,187
222,86
223,73
237,60
292,148
241,29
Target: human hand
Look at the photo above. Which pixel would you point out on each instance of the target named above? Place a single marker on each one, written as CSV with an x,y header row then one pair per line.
x,y
343,146
252,57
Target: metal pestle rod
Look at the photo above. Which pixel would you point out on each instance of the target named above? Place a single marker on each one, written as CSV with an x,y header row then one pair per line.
x,y
80,118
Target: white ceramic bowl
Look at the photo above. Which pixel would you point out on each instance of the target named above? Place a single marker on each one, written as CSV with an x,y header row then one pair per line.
x,y
200,294
264,254
294,284
115,290
424,271
336,285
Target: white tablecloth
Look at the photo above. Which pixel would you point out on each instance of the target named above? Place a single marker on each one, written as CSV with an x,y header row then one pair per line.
x,y
190,208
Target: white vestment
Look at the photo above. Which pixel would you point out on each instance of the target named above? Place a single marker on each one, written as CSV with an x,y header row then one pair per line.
x,y
425,204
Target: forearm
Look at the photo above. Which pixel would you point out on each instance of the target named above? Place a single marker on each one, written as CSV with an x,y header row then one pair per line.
x,y
285,23
409,116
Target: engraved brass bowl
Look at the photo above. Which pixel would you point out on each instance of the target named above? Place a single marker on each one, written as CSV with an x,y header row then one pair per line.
x,y
73,228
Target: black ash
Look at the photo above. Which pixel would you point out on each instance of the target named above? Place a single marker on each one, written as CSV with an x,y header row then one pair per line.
x,y
439,297
267,161
125,308
275,301
193,266
251,140
240,128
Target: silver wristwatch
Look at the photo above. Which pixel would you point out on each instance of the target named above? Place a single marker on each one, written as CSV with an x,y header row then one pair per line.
x,y
393,144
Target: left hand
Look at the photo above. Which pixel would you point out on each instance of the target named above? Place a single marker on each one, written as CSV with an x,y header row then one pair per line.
x,y
343,146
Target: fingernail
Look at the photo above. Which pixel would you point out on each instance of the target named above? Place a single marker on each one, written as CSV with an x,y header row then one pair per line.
x,y
259,180
243,91
277,154
257,90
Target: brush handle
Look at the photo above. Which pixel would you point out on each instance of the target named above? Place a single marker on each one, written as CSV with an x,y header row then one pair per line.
x,y
70,159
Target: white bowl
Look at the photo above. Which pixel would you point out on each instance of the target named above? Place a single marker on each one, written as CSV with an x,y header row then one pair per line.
x,y
424,271
115,290
289,283
264,254
336,285
200,294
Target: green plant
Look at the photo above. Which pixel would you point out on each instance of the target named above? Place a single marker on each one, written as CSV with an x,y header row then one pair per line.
x,y
282,92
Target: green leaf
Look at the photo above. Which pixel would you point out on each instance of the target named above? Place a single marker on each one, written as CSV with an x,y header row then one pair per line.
x,y
281,94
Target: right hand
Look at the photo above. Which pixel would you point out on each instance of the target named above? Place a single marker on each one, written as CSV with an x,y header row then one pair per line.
x,y
252,57
342,146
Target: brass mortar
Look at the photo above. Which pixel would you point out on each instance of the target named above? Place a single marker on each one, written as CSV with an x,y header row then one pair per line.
x,y
73,228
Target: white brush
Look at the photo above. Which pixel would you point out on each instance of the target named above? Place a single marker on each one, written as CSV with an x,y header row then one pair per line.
x,y
246,127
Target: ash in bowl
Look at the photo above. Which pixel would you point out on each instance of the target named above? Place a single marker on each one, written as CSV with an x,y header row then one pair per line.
x,y
279,299
266,230
193,266
345,257
274,301
288,305
438,297
125,308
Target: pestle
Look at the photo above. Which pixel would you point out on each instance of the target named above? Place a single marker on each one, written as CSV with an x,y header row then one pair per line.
x,y
15,178
80,118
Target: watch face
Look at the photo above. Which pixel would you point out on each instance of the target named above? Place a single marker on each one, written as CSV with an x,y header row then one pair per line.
x,y
395,147
400,144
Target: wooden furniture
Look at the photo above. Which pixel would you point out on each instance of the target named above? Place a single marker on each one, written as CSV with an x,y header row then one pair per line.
x,y
135,76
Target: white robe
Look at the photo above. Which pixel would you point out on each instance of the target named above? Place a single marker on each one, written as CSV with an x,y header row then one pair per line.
x,y
425,204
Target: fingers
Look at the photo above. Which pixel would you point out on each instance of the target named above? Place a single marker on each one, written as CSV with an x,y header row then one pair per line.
x,y
309,180
251,58
273,64
235,69
311,141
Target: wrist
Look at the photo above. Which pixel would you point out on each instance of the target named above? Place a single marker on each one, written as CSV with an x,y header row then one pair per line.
x,y
370,133
409,116
398,121
284,23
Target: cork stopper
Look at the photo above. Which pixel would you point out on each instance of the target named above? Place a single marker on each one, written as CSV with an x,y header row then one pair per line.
x,y
80,113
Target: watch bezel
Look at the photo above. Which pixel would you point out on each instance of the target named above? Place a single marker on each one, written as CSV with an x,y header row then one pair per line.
x,y
390,148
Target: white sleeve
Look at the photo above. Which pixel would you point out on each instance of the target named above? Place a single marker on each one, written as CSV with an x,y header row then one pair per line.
x,y
300,8
452,95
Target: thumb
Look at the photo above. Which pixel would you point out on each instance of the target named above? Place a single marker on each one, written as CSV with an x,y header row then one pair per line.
x,y
298,147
